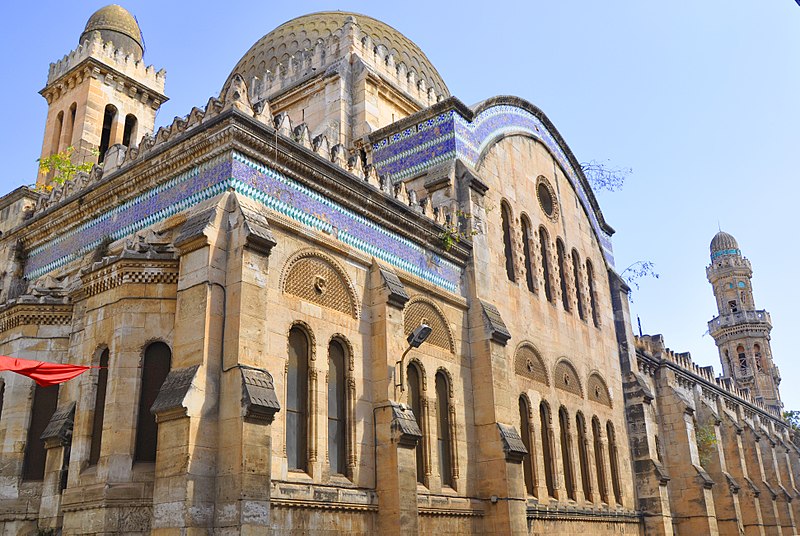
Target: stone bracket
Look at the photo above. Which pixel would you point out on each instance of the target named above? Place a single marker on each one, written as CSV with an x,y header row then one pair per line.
x,y
259,401
513,446
498,331
405,430
256,228
397,295
169,402
59,430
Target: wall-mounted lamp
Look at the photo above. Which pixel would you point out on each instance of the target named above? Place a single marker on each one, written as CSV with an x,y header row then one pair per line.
x,y
415,339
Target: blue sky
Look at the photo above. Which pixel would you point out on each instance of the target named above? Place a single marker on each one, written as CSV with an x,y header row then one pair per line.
x,y
698,97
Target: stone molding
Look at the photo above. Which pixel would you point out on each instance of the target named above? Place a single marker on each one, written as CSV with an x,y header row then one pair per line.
x,y
121,271
24,314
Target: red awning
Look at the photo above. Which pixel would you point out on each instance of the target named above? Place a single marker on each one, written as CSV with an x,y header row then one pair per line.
x,y
42,372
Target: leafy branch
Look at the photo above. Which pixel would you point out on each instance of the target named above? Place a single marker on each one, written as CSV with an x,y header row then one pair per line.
x,y
62,167
706,441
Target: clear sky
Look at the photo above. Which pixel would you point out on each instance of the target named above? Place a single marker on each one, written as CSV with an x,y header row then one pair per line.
x,y
698,97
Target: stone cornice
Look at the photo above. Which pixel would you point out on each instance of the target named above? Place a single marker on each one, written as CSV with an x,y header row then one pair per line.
x,y
23,314
122,271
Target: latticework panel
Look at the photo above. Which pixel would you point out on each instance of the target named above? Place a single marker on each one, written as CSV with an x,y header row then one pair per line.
x,y
314,279
598,391
566,378
418,312
528,364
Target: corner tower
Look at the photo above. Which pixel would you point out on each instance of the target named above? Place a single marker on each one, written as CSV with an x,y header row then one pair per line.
x,y
101,93
740,330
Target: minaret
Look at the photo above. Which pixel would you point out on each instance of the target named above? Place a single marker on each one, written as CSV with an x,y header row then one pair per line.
x,y
740,330
101,93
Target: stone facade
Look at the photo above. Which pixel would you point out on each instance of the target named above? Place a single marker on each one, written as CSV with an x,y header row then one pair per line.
x,y
248,279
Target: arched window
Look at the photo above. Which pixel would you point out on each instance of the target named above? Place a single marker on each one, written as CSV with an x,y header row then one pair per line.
x,y
56,143
544,240
109,118
547,449
599,460
2,395
757,357
415,400
99,409
130,130
566,452
297,401
443,439
337,410
576,276
583,455
562,273
592,293
525,432
742,359
530,274
45,400
612,456
155,367
505,214
69,129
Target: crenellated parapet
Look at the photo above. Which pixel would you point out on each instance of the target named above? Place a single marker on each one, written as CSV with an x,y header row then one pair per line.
x,y
78,63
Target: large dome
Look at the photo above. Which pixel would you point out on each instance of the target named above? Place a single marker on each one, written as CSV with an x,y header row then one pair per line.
x,y
303,32
116,24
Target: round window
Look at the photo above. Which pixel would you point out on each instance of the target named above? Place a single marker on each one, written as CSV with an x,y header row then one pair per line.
x,y
546,197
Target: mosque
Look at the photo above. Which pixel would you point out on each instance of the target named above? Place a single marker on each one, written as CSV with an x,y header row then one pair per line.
x,y
338,300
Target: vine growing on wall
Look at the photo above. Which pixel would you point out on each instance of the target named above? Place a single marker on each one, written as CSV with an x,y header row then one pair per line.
x,y
453,230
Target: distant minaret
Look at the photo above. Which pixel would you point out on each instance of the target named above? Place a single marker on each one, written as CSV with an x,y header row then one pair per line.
x,y
740,330
101,93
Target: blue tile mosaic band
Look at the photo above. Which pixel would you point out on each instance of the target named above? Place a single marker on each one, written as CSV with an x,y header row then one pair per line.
x,y
450,135
258,182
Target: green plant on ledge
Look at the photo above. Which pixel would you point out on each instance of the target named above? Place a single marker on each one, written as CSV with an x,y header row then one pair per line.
x,y
62,167
452,232
706,442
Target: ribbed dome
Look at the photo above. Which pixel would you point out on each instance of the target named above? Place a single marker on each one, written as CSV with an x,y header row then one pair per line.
x,y
116,24
303,32
724,244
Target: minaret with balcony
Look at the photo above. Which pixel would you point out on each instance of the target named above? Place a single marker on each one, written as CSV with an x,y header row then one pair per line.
x,y
741,331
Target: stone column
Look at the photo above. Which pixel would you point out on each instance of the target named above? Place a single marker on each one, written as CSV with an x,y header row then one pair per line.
x,y
769,505
773,476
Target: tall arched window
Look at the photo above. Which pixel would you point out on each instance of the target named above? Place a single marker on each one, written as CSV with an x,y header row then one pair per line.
x,y
566,452
583,455
592,293
612,457
297,401
525,432
109,118
337,410
443,439
742,359
599,460
544,240
576,276
155,367
757,357
45,400
69,126
530,274
562,273
55,145
505,214
99,409
130,130
415,400
547,449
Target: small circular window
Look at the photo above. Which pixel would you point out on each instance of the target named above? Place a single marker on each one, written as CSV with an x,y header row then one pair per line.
x,y
547,198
